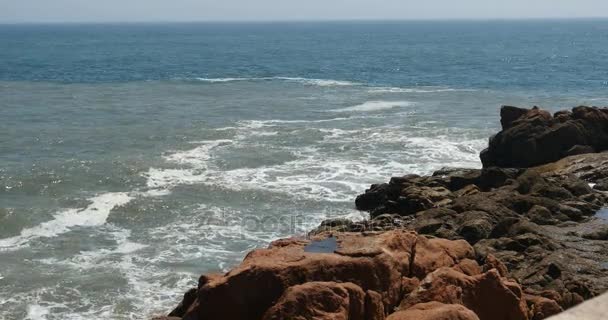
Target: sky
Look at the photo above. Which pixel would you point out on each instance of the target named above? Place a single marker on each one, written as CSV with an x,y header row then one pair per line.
x,y
15,11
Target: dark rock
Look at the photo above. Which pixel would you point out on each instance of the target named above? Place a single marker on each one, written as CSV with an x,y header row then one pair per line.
x,y
508,114
182,308
541,215
494,177
536,138
597,235
601,185
578,149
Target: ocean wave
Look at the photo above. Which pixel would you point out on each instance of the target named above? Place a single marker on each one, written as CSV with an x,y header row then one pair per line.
x,y
306,81
342,163
415,90
94,214
375,106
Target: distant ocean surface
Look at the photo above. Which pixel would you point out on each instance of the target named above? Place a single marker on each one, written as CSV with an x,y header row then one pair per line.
x,y
133,158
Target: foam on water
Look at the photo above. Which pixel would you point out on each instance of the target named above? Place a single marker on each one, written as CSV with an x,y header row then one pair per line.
x,y
374,106
414,90
94,214
305,81
315,174
37,312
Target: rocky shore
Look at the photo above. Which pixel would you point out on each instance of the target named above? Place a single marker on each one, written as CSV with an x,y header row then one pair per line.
x,y
525,237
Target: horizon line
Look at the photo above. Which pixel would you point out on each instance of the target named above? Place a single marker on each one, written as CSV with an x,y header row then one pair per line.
x,y
262,21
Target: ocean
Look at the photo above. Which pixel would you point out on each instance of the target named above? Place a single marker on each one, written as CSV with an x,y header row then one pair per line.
x,y
134,157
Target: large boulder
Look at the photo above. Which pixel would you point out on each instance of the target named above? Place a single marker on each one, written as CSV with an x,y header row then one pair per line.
x,y
327,301
532,137
380,267
435,311
488,295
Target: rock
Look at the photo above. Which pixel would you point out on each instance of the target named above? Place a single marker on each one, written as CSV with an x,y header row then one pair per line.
x,y
432,254
468,190
508,114
491,262
495,177
375,196
372,262
541,307
475,230
326,300
601,185
536,138
180,310
578,149
597,235
541,215
488,295
434,311
336,225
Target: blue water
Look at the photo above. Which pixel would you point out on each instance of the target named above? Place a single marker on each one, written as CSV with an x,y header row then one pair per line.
x,y
135,157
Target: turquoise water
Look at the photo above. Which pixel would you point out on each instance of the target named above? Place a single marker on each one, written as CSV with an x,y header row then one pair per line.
x,y
135,157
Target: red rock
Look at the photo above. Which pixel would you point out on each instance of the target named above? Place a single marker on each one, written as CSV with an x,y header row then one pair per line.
x,y
327,300
468,267
374,262
434,311
541,307
493,263
488,295
432,254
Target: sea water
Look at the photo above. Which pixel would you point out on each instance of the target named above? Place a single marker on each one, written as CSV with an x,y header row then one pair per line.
x,y
135,157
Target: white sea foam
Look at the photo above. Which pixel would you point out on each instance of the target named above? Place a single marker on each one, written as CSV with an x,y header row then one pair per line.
x,y
375,106
37,312
94,214
415,90
306,81
317,175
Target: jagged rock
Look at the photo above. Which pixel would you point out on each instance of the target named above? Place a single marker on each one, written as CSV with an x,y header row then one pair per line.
x,y
435,311
189,298
541,307
327,300
535,137
488,295
597,235
373,262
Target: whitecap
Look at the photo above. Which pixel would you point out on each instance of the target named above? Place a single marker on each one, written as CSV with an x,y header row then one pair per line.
x,y
415,90
220,80
94,214
37,312
374,106
319,82
306,81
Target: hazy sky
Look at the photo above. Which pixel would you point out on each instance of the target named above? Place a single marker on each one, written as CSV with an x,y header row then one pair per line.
x,y
205,10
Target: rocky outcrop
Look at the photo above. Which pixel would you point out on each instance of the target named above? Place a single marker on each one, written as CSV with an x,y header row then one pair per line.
x,y
540,221
435,311
532,137
366,276
491,243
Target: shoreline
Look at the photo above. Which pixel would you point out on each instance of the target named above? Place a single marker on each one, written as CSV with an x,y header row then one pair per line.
x,y
529,233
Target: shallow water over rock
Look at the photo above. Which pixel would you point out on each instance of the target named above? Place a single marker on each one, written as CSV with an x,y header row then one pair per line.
x,y
328,245
603,214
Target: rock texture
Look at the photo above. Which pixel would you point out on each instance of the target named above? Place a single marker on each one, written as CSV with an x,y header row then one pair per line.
x,y
368,276
540,221
532,137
